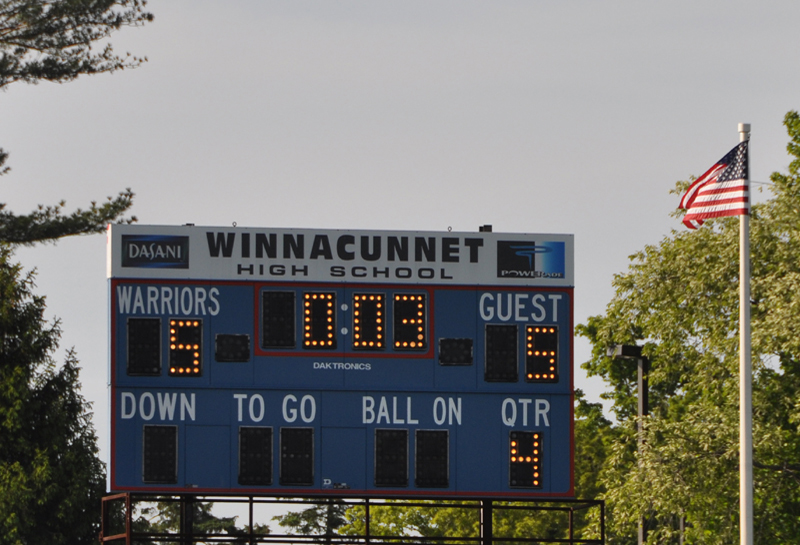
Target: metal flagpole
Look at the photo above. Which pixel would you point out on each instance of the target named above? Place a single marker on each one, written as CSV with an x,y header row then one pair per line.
x,y
745,375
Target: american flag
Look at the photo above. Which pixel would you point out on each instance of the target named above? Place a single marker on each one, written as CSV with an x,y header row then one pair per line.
x,y
722,191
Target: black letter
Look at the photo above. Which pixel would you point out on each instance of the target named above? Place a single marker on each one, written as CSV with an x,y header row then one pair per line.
x,y
270,246
376,248
290,245
450,249
322,247
428,249
245,244
398,247
474,244
226,244
341,247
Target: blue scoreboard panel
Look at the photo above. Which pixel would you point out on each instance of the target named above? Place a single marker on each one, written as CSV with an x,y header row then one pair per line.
x,y
301,362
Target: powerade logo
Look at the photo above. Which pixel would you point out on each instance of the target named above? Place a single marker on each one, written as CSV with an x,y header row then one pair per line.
x,y
155,251
528,259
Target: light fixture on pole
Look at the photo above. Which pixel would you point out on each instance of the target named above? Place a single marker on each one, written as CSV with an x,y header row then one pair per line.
x,y
634,352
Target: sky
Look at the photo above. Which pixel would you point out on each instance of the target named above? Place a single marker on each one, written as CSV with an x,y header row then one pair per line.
x,y
572,117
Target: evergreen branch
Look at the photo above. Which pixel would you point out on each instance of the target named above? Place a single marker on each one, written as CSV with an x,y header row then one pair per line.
x,y
48,223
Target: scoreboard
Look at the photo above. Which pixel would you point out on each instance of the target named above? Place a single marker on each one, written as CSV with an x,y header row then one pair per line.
x,y
303,362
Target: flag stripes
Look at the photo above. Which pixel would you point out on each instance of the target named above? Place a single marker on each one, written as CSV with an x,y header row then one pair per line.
x,y
722,191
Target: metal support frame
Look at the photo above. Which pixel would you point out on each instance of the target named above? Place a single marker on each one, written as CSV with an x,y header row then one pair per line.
x,y
486,510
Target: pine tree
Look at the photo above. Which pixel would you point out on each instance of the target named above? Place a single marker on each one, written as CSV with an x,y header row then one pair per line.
x,y
52,41
51,478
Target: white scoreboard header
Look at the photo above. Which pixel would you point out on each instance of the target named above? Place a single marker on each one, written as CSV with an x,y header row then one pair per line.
x,y
321,255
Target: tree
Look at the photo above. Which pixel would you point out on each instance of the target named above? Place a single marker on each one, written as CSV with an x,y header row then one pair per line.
x,y
680,300
323,519
51,479
53,41
165,518
49,223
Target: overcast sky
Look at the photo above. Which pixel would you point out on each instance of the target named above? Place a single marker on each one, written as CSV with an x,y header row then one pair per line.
x,y
557,117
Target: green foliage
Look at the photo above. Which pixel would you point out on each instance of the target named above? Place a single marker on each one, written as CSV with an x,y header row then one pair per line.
x,y
323,519
51,479
53,40
165,518
49,223
679,299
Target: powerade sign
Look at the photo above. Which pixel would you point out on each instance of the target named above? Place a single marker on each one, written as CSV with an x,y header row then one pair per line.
x,y
527,259
155,251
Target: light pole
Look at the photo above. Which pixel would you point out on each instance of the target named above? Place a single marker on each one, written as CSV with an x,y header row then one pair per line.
x,y
633,352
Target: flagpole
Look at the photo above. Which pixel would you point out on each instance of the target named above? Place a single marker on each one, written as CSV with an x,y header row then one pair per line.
x,y
745,375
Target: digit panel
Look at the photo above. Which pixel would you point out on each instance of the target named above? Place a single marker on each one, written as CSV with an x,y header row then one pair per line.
x,y
278,319
410,322
455,351
541,354
232,348
525,459
255,455
297,456
160,454
185,347
432,459
501,353
319,321
369,321
144,347
391,457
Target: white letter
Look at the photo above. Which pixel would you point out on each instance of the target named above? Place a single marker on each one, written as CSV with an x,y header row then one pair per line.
x,y
536,304
383,411
408,412
186,302
127,396
542,408
555,297
240,398
487,313
454,411
509,420
166,300
213,292
200,301
519,306
367,408
124,299
524,403
303,414
507,317
142,398
187,407
439,415
166,406
152,300
290,415
395,420
260,400
138,301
